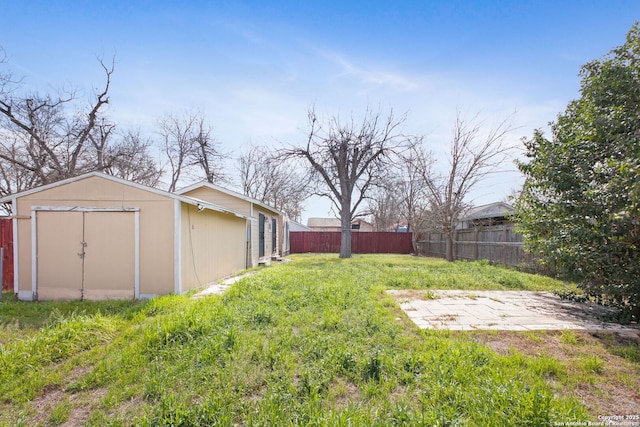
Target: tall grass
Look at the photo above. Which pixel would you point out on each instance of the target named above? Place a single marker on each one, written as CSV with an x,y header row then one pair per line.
x,y
314,342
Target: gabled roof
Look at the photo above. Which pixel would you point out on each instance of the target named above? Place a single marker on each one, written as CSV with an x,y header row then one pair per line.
x,y
201,204
492,210
323,222
207,184
296,226
332,222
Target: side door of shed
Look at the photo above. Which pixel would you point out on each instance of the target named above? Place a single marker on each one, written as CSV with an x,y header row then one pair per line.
x,y
274,236
261,234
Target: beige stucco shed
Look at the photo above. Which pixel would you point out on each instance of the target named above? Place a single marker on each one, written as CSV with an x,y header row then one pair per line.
x,y
100,237
266,236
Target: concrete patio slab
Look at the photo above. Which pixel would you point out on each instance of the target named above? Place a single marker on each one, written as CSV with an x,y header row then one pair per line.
x,y
501,310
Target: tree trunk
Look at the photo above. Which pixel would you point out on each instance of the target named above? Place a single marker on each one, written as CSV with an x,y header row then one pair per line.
x,y
449,246
345,233
414,242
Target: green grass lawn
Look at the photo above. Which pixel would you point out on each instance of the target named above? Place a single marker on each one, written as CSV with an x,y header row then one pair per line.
x,y
313,342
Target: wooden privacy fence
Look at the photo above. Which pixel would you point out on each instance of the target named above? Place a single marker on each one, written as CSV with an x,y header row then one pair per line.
x,y
361,242
499,244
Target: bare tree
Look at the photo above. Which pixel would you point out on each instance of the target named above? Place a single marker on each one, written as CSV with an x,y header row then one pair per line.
x,y
40,138
206,153
411,186
177,141
401,197
190,148
345,159
275,181
14,179
382,206
130,158
473,154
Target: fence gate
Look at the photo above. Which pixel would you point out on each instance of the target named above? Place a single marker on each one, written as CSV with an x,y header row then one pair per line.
x,y
85,255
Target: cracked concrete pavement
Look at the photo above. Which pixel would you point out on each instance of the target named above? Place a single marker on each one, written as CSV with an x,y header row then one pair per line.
x,y
501,310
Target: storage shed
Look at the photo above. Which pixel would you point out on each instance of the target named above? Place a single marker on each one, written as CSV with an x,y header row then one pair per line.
x,y
100,237
267,235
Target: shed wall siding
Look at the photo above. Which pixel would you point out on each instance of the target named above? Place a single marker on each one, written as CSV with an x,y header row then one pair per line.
x,y
247,208
212,246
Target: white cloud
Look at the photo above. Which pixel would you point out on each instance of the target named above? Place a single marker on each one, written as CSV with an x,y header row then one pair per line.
x,y
368,76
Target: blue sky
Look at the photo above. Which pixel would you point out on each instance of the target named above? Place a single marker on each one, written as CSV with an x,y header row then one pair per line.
x,y
255,67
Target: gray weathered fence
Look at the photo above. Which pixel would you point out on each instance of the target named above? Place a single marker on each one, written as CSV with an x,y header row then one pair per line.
x,y
499,244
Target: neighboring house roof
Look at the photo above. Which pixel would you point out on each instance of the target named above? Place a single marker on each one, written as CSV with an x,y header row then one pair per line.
x,y
361,221
323,222
201,204
492,210
229,192
331,222
296,226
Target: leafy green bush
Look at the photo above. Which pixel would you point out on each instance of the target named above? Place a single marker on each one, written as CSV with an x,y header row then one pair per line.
x,y
580,206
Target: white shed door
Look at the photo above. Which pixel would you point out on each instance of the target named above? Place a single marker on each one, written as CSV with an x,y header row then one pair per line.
x,y
85,255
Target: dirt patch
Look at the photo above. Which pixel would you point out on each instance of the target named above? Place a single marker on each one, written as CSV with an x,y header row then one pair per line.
x,y
78,405
607,384
77,373
128,409
63,407
344,392
44,404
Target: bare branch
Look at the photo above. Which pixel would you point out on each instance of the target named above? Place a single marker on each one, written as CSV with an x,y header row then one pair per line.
x,y
101,99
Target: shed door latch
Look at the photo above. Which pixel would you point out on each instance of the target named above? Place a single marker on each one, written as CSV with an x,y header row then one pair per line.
x,y
82,254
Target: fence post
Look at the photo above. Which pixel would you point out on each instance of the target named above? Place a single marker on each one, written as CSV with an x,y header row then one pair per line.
x,y
455,245
475,244
505,247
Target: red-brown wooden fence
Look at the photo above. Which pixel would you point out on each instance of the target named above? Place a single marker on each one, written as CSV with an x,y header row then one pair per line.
x,y
6,242
361,242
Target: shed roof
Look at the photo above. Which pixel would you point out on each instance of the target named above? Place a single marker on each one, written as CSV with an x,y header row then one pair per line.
x,y
201,204
207,184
